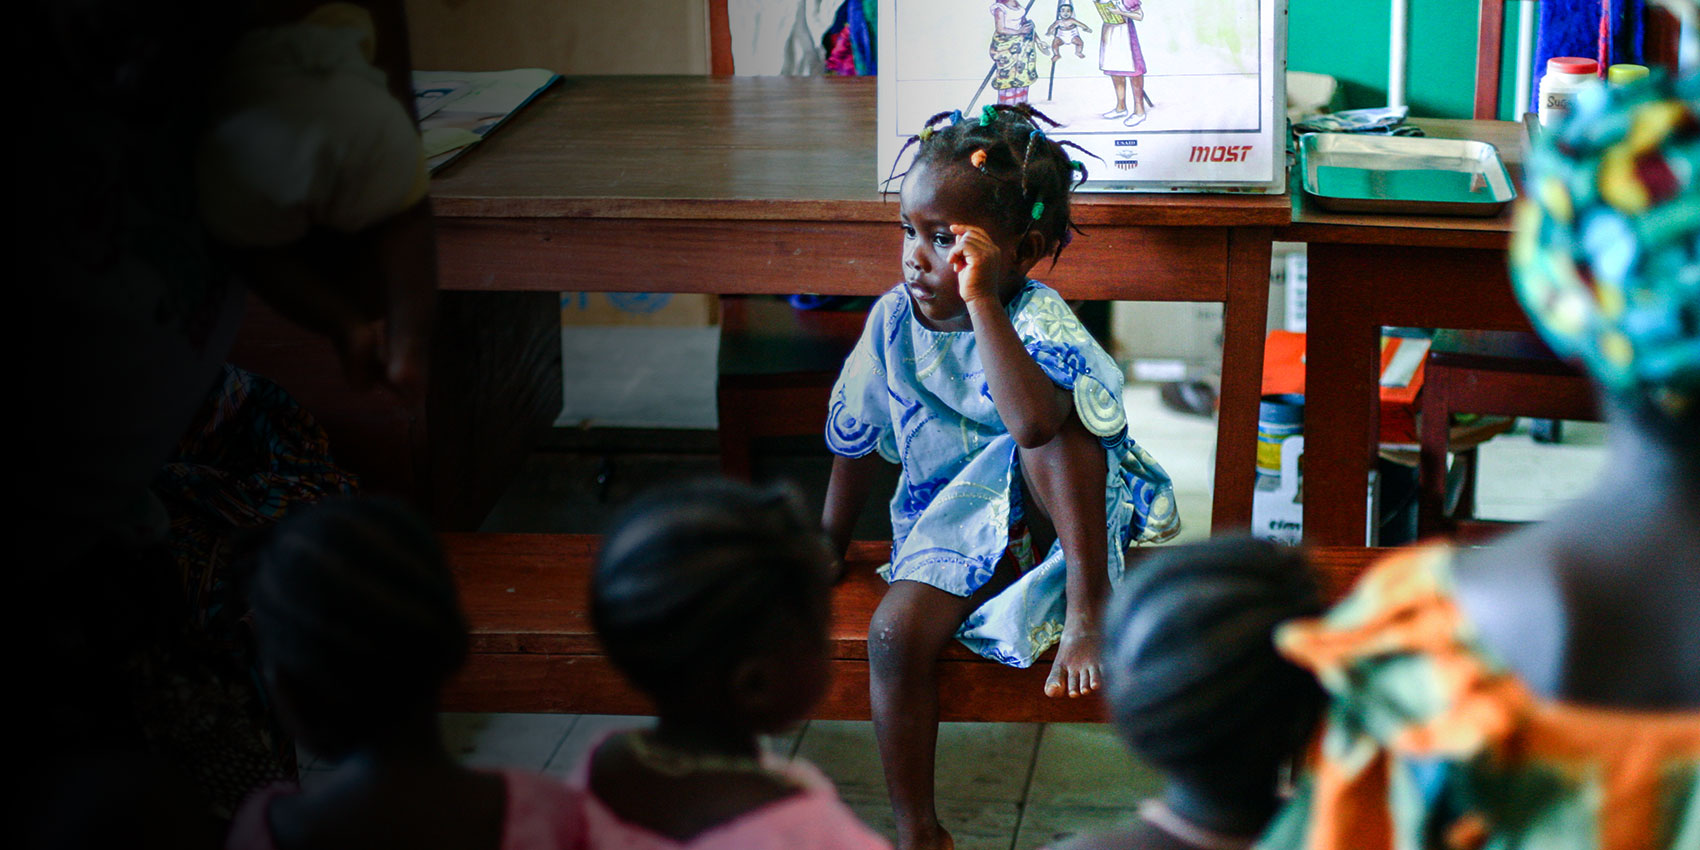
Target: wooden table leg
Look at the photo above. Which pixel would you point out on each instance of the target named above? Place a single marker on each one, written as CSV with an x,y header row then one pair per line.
x,y
1342,411
1244,316
1353,290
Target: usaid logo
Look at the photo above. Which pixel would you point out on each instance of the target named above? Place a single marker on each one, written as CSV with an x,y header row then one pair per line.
x,y
1220,153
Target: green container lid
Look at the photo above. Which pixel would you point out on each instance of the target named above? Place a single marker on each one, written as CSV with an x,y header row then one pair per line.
x,y
1619,75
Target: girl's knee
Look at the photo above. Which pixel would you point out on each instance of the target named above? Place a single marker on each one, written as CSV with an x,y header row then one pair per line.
x,y
891,637
906,631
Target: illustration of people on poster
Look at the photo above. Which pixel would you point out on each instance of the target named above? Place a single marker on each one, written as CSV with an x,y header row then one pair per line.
x,y
1014,63
1169,95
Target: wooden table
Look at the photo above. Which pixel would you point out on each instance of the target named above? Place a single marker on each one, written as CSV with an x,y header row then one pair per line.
x,y
741,185
1366,271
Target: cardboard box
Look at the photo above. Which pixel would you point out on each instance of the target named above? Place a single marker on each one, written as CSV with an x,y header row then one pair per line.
x,y
648,309
1278,505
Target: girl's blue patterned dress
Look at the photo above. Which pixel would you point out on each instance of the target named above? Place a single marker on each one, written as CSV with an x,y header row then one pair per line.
x,y
919,397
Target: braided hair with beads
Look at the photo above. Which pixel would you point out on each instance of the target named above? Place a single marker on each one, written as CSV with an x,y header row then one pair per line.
x,y
1028,175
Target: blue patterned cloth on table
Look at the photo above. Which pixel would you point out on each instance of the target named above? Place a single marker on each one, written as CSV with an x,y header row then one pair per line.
x,y
1388,121
919,397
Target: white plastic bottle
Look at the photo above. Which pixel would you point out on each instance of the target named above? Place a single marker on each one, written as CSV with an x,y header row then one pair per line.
x,y
1565,76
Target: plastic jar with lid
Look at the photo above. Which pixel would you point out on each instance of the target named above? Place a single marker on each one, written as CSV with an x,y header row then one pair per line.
x,y
1624,74
1565,76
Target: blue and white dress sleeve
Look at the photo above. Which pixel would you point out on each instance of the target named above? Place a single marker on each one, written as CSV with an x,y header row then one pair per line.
x,y
858,417
1072,359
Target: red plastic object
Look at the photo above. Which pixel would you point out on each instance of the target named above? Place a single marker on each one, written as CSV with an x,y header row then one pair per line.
x,y
1573,65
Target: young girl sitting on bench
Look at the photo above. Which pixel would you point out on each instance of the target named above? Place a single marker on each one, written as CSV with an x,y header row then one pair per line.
x,y
999,405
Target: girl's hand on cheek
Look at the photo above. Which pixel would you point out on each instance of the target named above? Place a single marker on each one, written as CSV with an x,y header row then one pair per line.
x,y
978,262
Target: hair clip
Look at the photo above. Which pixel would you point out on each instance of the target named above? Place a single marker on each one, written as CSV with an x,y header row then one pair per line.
x,y
1076,165
977,158
988,114
1036,132
1038,209
955,115
925,134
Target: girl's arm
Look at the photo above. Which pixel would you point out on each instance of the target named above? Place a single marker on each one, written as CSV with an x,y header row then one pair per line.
x,y
1033,408
846,493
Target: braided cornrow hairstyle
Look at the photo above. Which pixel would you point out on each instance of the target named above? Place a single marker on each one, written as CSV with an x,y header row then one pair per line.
x,y
695,578
1028,174
1192,675
354,604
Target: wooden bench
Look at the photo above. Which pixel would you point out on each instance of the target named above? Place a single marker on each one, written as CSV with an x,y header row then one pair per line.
x,y
533,649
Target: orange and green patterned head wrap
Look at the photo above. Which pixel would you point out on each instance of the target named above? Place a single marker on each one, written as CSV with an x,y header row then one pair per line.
x,y
1607,255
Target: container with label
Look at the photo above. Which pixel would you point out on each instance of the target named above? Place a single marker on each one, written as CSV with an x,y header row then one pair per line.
x,y
1565,76
1278,418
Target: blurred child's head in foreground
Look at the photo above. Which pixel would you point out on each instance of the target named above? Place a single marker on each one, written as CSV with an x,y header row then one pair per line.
x,y
357,621
1194,682
712,597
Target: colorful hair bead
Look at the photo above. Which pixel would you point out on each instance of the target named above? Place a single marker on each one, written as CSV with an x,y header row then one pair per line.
x,y
955,115
1038,209
977,158
988,114
926,133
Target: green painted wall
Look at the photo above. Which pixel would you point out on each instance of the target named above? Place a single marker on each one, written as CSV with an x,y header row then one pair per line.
x,y
1347,39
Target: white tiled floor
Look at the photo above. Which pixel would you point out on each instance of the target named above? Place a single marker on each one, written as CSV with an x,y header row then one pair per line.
x,y
1523,480
1001,786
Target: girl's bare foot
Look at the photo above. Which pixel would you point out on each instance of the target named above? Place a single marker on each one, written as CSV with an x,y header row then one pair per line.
x,y
938,838
1075,671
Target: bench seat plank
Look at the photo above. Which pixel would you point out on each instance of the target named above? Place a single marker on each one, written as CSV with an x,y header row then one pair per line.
x,y
533,649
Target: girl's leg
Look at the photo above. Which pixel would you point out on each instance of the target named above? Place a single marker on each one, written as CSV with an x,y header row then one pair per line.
x,y
911,626
1065,482
1139,98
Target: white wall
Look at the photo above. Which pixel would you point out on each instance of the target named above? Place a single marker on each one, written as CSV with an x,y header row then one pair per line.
x,y
574,37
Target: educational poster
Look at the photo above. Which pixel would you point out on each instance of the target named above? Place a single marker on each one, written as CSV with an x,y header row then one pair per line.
x,y
1166,95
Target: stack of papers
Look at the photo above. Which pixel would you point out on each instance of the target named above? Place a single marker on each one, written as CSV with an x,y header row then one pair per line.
x,y
458,108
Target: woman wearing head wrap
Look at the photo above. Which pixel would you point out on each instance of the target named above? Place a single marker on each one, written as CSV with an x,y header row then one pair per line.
x,y
1545,692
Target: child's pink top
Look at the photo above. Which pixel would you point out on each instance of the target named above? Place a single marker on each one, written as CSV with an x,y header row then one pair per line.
x,y
540,815
812,819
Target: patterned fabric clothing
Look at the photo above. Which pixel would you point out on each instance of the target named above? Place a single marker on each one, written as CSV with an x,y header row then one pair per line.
x,y
920,398
1431,743
251,457
1015,57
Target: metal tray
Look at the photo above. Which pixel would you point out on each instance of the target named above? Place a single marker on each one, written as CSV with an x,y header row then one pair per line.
x,y
1344,172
